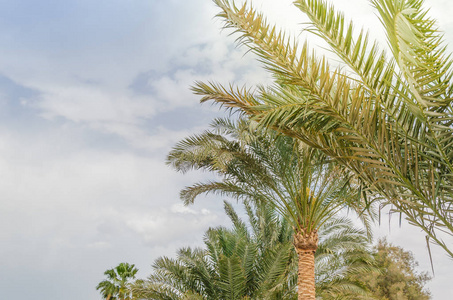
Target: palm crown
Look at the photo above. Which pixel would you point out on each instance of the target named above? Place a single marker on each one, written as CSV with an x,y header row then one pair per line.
x,y
117,284
300,182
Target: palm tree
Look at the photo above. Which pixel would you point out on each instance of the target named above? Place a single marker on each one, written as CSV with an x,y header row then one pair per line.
x,y
265,168
117,285
257,261
235,263
387,118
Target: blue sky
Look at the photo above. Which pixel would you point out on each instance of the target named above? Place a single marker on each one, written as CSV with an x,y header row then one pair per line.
x,y
93,94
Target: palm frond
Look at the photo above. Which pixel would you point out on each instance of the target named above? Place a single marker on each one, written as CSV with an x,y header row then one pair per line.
x,y
388,119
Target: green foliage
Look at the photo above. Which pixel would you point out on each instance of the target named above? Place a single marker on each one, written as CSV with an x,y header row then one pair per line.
x,y
117,285
256,260
386,118
264,167
397,278
245,262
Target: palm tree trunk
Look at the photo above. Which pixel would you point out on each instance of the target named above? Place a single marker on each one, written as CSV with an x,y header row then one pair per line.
x,y
306,245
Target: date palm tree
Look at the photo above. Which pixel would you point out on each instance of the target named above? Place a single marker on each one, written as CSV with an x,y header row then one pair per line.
x,y
256,260
387,117
304,187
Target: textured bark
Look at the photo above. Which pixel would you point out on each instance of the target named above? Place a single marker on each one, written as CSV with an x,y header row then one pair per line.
x,y
306,245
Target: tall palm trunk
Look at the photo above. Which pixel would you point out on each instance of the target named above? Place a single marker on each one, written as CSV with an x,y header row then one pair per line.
x,y
306,245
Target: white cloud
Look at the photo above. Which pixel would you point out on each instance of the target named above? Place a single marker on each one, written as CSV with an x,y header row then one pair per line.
x,y
182,209
94,103
163,226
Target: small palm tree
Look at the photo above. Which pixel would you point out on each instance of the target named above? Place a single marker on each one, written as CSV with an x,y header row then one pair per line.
x,y
239,263
117,285
387,118
256,260
265,168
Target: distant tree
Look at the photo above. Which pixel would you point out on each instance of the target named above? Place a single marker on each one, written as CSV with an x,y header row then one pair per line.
x,y
117,285
397,278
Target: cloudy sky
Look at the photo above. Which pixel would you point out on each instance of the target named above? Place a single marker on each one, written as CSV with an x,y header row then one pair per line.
x,y
93,94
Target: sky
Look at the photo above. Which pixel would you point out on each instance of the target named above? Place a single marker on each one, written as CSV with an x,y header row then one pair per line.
x,y
93,95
